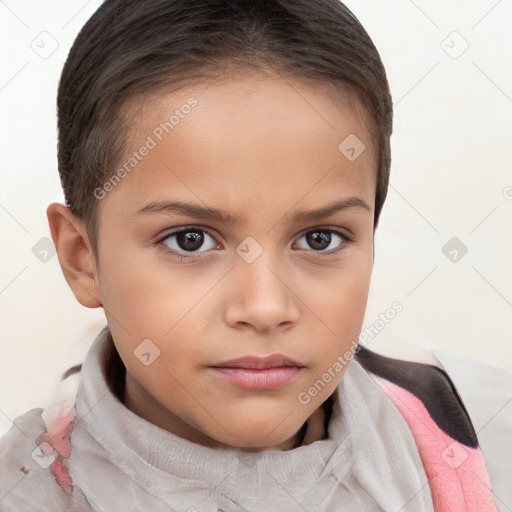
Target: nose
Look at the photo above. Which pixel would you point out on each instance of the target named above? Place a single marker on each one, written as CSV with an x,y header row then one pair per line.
x,y
260,297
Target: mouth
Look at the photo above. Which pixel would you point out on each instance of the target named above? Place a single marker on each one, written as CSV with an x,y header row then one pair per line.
x,y
249,378
256,372
256,362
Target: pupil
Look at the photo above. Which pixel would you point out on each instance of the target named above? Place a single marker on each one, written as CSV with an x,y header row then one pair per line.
x,y
319,239
189,240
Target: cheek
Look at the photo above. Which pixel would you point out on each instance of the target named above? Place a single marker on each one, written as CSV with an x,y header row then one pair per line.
x,y
131,286
145,302
340,306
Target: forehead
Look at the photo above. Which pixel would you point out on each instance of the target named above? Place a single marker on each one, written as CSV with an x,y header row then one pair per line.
x,y
247,141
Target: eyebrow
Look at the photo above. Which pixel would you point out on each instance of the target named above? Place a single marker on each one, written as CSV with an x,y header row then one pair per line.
x,y
215,214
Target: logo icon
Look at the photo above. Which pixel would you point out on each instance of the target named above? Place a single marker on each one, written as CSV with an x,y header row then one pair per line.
x,y
454,45
44,454
44,250
454,249
352,147
45,45
146,352
454,455
249,250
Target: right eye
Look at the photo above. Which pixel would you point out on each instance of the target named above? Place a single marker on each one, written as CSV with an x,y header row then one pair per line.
x,y
187,240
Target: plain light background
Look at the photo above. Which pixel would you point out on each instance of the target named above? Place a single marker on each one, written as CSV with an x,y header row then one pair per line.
x,y
449,64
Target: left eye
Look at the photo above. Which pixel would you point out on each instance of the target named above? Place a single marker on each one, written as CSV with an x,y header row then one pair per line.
x,y
321,239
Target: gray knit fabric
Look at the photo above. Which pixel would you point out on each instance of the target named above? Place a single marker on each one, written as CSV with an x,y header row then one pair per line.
x,y
120,462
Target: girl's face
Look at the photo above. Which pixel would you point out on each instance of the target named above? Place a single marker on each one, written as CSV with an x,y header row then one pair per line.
x,y
223,240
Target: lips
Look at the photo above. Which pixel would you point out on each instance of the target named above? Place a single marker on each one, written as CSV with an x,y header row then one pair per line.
x,y
255,362
255,372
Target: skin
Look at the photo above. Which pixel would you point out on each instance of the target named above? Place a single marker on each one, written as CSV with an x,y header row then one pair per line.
x,y
260,147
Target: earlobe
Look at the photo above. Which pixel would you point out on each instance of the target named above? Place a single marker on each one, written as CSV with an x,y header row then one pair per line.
x,y
75,254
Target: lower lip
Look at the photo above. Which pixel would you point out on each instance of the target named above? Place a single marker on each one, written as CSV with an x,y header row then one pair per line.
x,y
269,378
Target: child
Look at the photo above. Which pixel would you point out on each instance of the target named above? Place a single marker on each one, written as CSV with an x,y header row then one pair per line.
x,y
225,164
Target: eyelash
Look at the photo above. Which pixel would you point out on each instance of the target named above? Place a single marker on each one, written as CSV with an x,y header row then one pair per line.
x,y
161,245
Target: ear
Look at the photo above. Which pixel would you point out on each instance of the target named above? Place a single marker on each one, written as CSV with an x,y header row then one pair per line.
x,y
75,254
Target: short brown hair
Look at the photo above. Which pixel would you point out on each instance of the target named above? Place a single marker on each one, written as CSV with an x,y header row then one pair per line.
x,y
131,47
